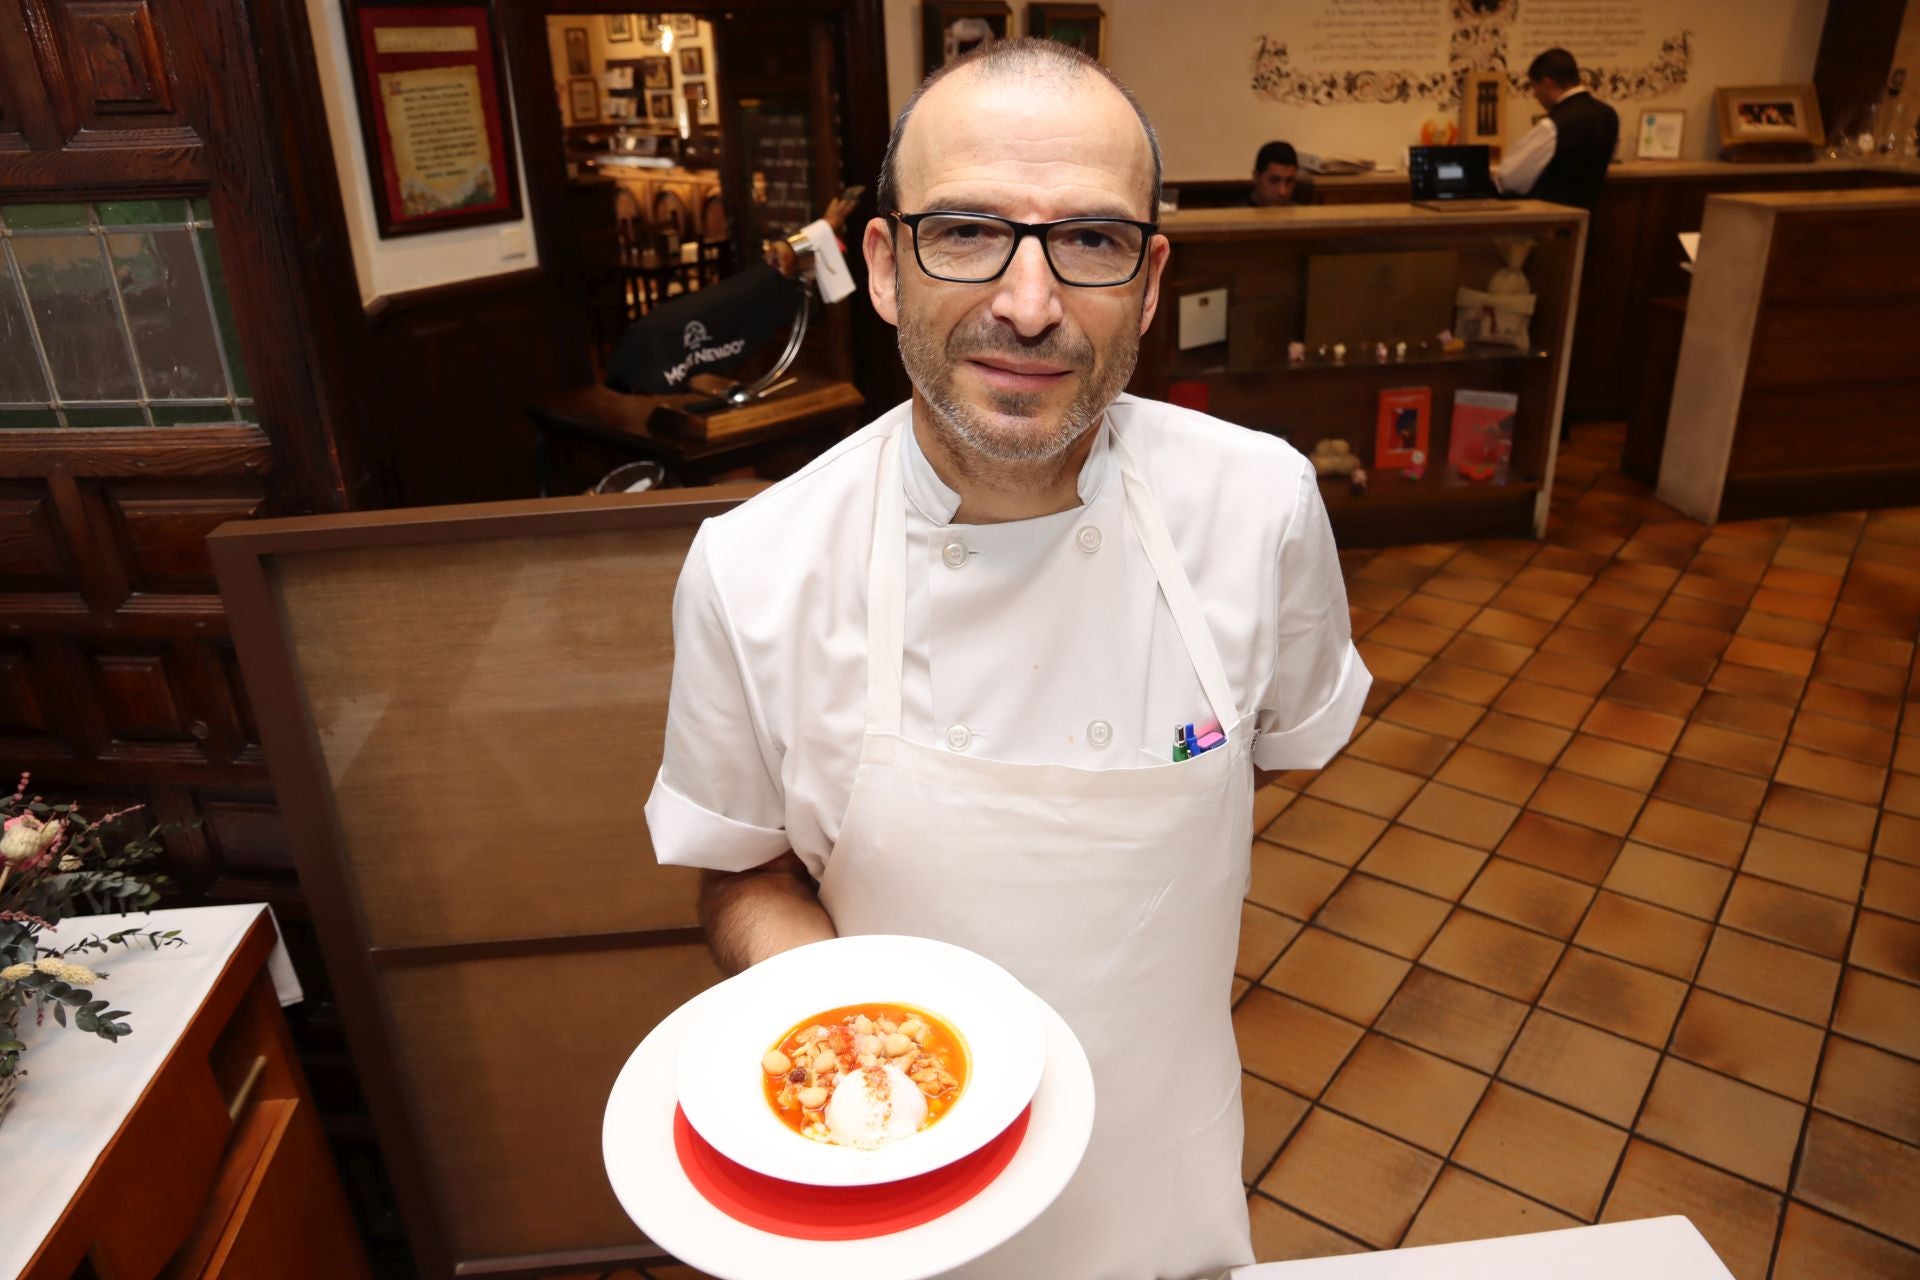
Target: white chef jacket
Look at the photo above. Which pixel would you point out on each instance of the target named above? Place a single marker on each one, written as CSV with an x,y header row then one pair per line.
x,y
1042,641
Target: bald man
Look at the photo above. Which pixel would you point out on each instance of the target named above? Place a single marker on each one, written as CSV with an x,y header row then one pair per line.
x,y
1000,668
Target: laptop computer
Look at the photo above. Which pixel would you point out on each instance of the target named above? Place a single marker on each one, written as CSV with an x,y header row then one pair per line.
x,y
1451,178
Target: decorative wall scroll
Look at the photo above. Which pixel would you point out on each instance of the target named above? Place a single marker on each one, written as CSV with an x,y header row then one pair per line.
x,y
1358,51
432,93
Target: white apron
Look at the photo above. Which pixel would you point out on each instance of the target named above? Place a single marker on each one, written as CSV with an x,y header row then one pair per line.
x,y
1113,894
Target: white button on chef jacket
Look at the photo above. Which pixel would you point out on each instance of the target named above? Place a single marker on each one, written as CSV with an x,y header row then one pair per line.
x,y
1051,647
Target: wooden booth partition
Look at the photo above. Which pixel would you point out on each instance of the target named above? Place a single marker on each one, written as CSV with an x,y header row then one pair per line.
x,y
463,710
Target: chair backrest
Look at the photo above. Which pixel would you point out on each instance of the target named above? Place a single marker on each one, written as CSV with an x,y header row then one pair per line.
x,y
713,219
670,214
630,221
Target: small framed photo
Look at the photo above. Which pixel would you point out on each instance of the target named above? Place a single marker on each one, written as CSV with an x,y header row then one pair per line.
x,y
579,60
1768,115
660,106
693,62
1660,135
583,99
685,24
1083,26
953,29
619,28
656,73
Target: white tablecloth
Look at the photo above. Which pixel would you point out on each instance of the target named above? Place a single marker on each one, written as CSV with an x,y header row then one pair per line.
x,y
79,1089
1650,1249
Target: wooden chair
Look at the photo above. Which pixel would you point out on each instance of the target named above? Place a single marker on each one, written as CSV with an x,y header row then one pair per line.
x,y
716,245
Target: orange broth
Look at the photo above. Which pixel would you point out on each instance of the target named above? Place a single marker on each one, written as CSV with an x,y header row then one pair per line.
x,y
942,1044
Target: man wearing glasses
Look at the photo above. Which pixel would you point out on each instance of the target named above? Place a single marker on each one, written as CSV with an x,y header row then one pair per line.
x,y
931,683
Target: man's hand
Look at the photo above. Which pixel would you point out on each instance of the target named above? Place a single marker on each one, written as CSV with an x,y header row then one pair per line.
x,y
750,915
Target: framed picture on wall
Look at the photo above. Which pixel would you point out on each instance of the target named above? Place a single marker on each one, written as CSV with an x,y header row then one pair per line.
x,y
583,99
432,92
660,106
1773,118
1659,135
685,24
579,57
1084,26
619,28
952,29
693,62
656,73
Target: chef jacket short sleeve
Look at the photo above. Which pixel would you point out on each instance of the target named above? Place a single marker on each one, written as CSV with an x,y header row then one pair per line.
x,y
1313,699
718,800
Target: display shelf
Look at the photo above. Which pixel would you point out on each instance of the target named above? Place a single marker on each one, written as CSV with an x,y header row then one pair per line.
x,y
1416,358
1265,263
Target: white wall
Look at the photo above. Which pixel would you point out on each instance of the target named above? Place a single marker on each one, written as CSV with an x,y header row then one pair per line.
x,y
405,262
1191,66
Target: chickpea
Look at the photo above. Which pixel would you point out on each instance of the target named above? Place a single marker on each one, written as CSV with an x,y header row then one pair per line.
x,y
863,1025
776,1063
897,1044
813,1099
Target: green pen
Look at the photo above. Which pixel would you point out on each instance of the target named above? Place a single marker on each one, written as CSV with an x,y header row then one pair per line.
x,y
1180,743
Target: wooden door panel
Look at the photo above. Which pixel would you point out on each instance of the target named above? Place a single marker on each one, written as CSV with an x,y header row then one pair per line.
x,y
26,712
160,534
33,556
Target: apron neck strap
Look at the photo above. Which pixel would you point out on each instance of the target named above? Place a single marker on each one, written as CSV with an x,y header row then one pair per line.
x,y
887,602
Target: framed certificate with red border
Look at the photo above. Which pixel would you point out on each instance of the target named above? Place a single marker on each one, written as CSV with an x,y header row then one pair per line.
x,y
431,85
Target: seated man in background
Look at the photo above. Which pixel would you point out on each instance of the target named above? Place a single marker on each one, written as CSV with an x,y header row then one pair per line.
x,y
1276,178
1563,158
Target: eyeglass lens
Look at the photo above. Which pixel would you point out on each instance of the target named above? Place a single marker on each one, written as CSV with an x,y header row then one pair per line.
x,y
972,249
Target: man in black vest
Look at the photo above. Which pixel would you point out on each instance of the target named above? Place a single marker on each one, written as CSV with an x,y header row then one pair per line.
x,y
1563,158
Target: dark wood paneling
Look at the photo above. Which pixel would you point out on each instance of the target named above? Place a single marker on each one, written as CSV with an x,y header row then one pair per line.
x,y
1856,52
1881,260
1827,424
1836,343
453,366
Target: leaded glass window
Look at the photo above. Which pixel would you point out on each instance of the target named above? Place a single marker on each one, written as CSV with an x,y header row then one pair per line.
x,y
115,314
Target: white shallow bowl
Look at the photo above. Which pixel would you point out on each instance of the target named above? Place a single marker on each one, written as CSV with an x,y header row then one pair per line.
x,y
636,1142
719,1078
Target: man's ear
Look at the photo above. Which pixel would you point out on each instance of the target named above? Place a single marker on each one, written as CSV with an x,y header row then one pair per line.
x,y
883,268
1158,250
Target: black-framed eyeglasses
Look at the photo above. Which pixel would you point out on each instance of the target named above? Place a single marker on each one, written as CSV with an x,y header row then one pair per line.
x,y
975,248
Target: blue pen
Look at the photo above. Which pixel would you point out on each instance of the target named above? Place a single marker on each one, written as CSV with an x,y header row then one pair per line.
x,y
1193,744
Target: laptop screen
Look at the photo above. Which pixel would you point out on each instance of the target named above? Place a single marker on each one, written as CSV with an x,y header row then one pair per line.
x,y
1450,173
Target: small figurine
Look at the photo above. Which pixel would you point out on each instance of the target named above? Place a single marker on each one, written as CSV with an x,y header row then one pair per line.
x,y
1323,351
1296,353
1400,351
1451,345
1339,352
1334,458
1357,482
1380,352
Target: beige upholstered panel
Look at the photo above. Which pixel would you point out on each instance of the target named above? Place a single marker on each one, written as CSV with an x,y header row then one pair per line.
x,y
490,717
508,1062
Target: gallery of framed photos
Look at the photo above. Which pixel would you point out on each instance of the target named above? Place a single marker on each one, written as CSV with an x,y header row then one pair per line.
x,y
1419,356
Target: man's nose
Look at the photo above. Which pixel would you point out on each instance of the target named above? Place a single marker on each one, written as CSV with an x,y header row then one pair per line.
x,y
1028,297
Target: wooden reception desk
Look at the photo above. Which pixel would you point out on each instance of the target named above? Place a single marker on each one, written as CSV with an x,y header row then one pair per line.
x,y
1798,387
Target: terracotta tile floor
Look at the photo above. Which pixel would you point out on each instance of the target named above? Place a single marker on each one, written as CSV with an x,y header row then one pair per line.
x,y
1612,907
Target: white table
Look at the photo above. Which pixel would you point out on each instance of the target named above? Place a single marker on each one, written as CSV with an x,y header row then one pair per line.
x,y
1649,1249
80,1089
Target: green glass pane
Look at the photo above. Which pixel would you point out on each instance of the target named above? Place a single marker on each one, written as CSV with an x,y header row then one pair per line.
x,y
71,295
130,416
190,415
166,305
18,418
22,216
20,376
202,209
223,313
140,213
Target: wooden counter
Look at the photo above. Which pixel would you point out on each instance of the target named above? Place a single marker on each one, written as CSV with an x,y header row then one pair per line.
x,y
1798,387
1264,257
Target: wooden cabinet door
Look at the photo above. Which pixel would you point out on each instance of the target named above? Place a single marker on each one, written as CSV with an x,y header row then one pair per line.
x,y
157,379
